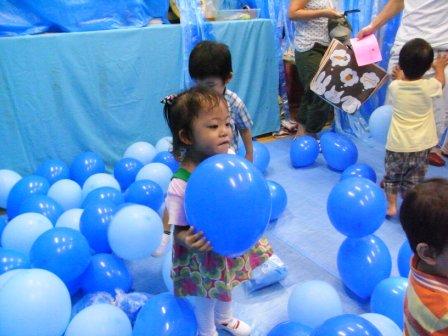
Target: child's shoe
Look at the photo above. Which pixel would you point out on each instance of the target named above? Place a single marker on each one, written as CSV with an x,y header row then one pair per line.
x,y
166,238
235,327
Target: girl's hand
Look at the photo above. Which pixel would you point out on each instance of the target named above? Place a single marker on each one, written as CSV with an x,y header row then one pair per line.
x,y
332,13
397,73
197,241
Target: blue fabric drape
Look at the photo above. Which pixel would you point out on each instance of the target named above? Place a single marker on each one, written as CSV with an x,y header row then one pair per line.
x,y
17,19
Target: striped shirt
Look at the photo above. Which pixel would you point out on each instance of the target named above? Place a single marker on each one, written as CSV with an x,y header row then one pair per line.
x,y
426,304
239,116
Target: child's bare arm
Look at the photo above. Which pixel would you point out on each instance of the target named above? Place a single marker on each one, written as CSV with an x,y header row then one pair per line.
x,y
439,67
185,236
246,136
397,73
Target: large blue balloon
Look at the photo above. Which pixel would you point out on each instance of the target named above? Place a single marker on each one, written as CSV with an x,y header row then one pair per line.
x,y
363,263
356,207
85,165
63,251
359,170
404,259
94,223
103,194
304,151
145,192
347,325
34,302
228,199
388,299
8,178
290,329
10,259
167,158
338,150
44,205
53,170
165,315
27,186
106,273
126,170
379,123
278,198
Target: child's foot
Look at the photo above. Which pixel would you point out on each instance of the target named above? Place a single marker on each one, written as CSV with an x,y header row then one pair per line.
x,y
235,327
391,211
166,238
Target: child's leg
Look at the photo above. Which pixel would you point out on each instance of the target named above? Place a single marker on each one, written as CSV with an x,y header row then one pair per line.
x,y
417,166
224,320
166,237
392,179
204,310
391,204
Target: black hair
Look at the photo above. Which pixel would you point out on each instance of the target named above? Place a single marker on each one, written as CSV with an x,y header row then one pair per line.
x,y
210,59
416,58
424,214
180,111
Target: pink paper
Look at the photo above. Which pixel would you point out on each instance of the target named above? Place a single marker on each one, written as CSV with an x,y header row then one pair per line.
x,y
366,50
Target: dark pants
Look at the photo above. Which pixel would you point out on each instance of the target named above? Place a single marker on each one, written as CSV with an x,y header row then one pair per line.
x,y
314,112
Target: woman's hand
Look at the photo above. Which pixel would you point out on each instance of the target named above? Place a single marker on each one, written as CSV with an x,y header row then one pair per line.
x,y
366,31
196,241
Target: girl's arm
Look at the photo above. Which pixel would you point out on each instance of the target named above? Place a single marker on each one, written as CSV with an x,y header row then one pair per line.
x,y
297,11
392,8
246,136
185,236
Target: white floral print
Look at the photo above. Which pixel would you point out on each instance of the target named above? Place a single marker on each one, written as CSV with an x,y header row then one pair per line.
x,y
350,104
339,57
349,77
333,96
319,85
369,80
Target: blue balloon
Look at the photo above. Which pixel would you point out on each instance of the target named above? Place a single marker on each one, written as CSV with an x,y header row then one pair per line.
x,y
84,165
313,302
385,325
44,205
261,156
304,151
145,192
27,186
11,259
126,170
290,329
53,170
278,198
100,320
338,150
63,251
106,273
379,123
228,182
3,223
95,222
165,144
103,194
34,302
404,259
167,158
8,178
67,193
166,315
70,219
100,180
141,151
359,170
363,263
347,325
356,207
156,172
388,299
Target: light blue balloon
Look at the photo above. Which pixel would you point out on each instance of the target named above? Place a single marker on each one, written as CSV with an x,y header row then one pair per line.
x,y
385,325
313,302
70,219
359,170
279,199
404,259
67,193
156,172
34,302
290,329
135,232
388,299
98,181
8,179
141,151
100,320
379,123
5,277
166,272
303,151
363,263
356,207
165,144
21,232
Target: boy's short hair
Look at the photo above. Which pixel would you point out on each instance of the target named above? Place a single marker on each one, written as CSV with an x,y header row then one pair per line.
x,y
424,214
210,59
416,58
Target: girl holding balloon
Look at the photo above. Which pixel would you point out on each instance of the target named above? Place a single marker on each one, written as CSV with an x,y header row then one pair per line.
x,y
199,121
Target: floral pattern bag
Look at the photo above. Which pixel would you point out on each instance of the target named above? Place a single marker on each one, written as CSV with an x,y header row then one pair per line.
x,y
344,84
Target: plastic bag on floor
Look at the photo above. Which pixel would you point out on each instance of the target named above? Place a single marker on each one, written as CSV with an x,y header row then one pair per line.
x,y
131,303
90,300
271,271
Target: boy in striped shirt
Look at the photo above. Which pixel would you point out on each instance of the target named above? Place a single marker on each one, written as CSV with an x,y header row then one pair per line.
x,y
424,217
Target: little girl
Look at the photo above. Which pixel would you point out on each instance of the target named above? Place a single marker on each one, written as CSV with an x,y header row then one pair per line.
x,y
199,121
